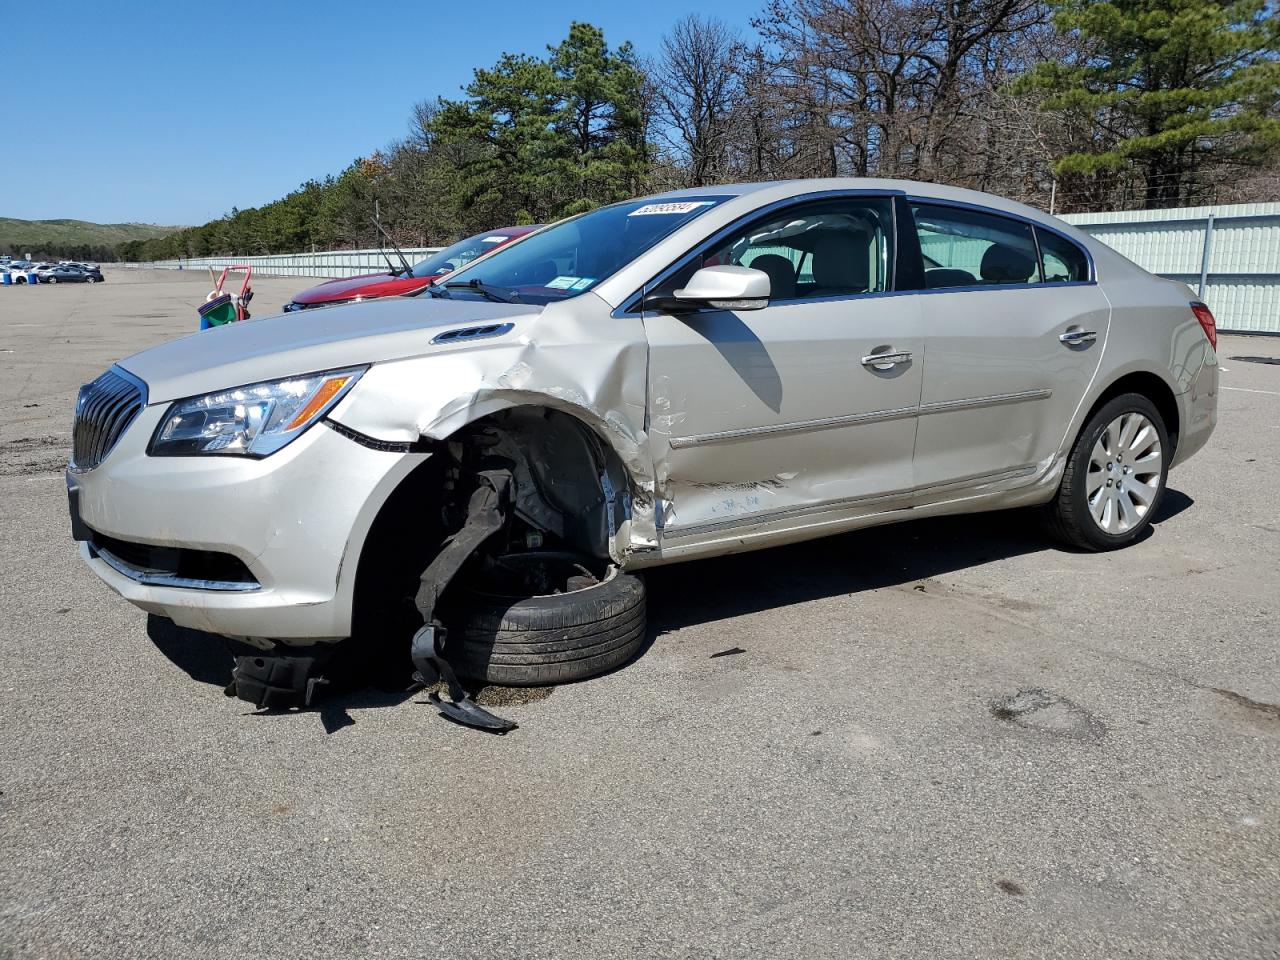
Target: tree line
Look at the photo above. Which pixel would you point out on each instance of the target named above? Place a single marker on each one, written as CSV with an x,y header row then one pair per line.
x,y
1064,104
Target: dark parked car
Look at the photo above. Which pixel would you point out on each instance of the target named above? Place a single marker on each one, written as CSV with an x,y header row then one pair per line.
x,y
69,274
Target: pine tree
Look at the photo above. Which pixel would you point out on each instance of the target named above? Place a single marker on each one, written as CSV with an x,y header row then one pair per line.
x,y
1167,86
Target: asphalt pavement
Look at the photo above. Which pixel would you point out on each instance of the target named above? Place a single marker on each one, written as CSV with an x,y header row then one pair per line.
x,y
939,739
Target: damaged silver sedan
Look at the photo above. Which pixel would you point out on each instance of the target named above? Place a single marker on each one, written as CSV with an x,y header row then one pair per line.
x,y
470,478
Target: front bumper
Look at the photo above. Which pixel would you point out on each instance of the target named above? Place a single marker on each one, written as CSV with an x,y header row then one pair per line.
x,y
296,519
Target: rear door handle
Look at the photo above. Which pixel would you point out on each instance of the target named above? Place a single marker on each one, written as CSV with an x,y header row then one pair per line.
x,y
886,361
1073,337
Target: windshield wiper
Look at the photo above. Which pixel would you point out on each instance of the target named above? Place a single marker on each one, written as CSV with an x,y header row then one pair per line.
x,y
432,290
408,270
496,294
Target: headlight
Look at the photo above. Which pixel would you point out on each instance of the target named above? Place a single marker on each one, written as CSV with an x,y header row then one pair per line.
x,y
251,421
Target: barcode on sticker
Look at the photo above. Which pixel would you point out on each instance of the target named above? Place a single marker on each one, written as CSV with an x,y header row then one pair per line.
x,y
652,209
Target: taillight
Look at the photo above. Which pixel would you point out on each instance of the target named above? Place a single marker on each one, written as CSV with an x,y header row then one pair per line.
x,y
1205,316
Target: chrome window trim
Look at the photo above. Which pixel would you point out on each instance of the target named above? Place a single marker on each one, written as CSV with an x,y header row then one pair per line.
x,y
1031,221
979,287
627,308
152,579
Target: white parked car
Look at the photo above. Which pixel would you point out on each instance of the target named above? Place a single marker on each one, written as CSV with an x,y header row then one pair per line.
x,y
18,269
699,373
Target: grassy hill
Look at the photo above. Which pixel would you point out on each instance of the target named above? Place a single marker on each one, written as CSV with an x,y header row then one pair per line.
x,y
19,236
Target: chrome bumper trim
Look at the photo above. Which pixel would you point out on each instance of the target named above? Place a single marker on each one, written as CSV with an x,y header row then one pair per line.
x,y
151,578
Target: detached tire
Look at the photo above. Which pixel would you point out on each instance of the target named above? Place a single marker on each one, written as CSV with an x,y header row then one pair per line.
x,y
550,639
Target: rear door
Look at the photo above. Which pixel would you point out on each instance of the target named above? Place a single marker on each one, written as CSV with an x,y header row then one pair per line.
x,y
1014,331
782,417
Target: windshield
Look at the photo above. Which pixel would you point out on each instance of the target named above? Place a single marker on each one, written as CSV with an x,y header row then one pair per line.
x,y
460,254
573,256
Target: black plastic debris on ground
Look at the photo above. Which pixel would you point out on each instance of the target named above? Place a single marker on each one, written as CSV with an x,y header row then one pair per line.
x,y
1273,360
732,651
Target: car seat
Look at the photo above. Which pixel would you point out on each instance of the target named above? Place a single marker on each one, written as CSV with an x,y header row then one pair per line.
x,y
940,277
782,275
840,264
1005,264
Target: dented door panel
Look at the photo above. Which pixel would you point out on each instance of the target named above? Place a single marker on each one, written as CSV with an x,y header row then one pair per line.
x,y
757,416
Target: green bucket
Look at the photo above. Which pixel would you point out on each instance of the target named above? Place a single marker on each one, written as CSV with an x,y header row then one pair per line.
x,y
217,312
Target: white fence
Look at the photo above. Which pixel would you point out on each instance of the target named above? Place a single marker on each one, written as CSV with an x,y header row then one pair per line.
x,y
329,264
1230,253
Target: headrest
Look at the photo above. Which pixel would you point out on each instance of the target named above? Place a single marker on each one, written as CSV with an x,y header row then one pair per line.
x,y
840,261
782,275
1004,264
948,277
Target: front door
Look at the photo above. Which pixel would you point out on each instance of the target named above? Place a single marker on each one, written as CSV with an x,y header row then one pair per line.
x,y
765,420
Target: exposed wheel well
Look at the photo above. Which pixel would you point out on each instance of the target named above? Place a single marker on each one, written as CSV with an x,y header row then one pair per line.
x,y
570,487
1151,387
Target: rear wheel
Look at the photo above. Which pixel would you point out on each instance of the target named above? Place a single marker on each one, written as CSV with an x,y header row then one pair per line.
x,y
53,280
545,617
1115,477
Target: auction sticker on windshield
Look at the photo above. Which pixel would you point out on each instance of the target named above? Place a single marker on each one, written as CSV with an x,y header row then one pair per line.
x,y
650,209
569,283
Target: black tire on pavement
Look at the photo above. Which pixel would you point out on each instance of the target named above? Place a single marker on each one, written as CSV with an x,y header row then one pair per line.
x,y
1067,517
529,641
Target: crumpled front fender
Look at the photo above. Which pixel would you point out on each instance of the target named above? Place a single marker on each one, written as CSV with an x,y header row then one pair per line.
x,y
573,357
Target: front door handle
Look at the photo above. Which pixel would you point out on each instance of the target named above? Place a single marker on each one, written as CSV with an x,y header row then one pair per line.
x,y
1074,337
886,361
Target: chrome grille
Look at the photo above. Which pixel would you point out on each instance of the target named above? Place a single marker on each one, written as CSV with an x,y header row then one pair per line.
x,y
104,410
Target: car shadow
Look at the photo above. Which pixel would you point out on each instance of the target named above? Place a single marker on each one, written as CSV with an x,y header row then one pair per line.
x,y
870,559
1171,504
849,563
203,657
726,587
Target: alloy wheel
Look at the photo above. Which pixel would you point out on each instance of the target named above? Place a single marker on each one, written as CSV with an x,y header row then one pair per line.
x,y
1125,469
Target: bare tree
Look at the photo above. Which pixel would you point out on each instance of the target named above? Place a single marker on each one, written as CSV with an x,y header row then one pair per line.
x,y
695,90
891,87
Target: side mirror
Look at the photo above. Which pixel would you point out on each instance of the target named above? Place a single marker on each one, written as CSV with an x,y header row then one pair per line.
x,y
720,288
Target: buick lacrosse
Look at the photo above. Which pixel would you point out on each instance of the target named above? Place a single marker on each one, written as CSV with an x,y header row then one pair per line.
x,y
470,478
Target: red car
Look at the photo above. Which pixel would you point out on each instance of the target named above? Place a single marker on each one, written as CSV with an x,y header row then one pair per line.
x,y
371,285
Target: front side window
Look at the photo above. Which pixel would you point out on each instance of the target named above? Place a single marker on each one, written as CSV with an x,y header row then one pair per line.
x,y
571,257
829,248
1064,262
968,248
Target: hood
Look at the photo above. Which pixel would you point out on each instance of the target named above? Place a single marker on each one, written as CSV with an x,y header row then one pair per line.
x,y
369,285
310,341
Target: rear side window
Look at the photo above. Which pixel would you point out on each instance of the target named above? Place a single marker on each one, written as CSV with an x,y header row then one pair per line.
x,y
1063,261
968,248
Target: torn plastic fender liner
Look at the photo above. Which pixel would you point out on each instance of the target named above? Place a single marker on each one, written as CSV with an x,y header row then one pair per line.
x,y
564,359
488,513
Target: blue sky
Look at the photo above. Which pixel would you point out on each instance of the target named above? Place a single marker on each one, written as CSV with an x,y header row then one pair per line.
x,y
175,112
